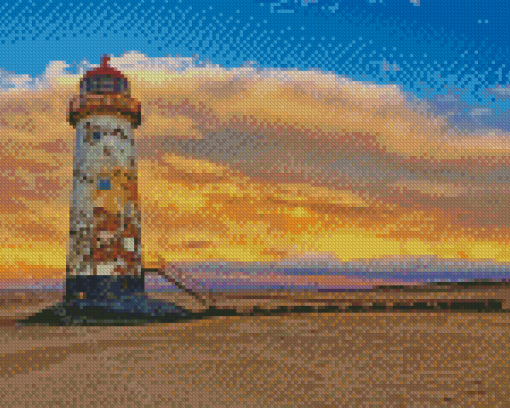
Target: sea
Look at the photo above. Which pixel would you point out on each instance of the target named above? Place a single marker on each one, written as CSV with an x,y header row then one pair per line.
x,y
225,277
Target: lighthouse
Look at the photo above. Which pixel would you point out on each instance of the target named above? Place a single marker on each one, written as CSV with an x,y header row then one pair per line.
x,y
105,217
104,278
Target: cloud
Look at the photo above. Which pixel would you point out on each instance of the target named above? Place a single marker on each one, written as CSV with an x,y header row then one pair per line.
x,y
390,67
9,80
499,91
237,163
481,111
469,121
310,259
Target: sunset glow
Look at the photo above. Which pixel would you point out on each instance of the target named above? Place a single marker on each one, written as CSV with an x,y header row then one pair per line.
x,y
279,190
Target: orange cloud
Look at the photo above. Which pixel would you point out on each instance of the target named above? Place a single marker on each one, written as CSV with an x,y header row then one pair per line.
x,y
236,164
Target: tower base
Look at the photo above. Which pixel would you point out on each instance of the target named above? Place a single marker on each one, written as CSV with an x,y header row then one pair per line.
x,y
107,300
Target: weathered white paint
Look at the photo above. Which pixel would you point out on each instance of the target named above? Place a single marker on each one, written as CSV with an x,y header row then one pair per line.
x,y
94,160
106,235
90,155
88,270
129,244
105,269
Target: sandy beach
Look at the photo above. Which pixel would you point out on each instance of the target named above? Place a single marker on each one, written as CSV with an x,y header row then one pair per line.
x,y
340,359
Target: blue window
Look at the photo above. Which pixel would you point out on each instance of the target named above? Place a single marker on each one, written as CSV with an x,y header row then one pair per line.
x,y
104,185
99,84
97,135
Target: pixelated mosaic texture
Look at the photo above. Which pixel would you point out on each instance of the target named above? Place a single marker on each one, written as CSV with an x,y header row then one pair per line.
x,y
268,167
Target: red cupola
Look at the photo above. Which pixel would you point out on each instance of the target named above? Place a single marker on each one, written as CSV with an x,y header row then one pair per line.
x,y
104,69
104,80
104,91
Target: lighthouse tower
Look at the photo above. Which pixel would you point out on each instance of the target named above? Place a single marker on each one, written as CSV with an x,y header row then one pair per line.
x,y
104,279
105,219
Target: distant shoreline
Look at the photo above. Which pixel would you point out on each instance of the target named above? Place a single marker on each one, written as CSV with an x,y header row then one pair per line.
x,y
58,285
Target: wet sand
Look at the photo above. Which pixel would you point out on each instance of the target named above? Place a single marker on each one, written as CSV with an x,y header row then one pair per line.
x,y
342,359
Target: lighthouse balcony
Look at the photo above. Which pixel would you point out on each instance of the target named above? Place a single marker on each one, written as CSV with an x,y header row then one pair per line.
x,y
120,105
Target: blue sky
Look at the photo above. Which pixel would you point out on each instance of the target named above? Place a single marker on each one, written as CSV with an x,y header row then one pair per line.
x,y
451,57
446,53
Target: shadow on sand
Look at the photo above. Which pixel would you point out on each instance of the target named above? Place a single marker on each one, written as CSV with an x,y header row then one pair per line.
x,y
65,315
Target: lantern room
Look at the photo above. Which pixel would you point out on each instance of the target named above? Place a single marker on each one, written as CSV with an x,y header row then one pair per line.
x,y
104,80
104,91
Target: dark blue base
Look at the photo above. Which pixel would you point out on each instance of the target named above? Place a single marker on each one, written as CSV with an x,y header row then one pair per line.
x,y
104,287
108,300
126,308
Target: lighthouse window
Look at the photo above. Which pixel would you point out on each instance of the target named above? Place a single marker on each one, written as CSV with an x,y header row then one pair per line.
x,y
106,85
104,185
87,84
96,135
99,84
117,85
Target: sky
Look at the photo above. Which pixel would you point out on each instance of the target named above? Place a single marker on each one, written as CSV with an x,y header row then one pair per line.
x,y
272,130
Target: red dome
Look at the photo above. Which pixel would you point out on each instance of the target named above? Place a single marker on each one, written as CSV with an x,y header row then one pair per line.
x,y
104,91
104,69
